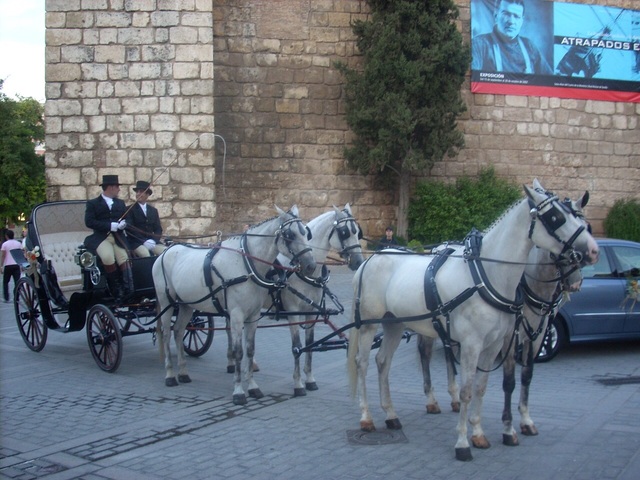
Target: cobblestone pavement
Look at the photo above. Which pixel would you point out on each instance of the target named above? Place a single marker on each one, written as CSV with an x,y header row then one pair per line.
x,y
62,417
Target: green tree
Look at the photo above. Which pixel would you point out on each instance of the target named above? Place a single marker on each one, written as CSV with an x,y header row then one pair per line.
x,y
22,181
403,104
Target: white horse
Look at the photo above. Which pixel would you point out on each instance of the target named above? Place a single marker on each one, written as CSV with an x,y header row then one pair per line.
x,y
394,288
228,279
335,230
546,280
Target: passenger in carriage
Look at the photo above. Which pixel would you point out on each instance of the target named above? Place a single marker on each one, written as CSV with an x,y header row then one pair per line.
x,y
143,224
105,216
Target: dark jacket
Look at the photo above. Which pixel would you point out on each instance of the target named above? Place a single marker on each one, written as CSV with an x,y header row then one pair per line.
x,y
141,227
484,58
98,217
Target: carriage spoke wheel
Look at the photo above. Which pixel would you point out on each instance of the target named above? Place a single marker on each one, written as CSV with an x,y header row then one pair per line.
x,y
28,315
199,335
104,337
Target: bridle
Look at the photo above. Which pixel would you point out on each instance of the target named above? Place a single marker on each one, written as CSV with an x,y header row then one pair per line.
x,y
344,228
286,233
552,220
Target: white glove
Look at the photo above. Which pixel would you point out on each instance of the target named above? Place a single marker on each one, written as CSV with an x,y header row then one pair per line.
x,y
149,244
114,226
122,225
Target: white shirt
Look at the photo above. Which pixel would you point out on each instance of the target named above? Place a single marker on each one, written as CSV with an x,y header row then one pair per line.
x,y
109,201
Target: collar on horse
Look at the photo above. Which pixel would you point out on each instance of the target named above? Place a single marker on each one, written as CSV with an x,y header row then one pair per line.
x,y
473,245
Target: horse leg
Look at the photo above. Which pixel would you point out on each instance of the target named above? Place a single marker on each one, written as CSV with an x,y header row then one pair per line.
x,y
509,435
360,341
236,322
478,438
527,426
425,352
453,389
231,363
390,341
468,364
310,382
250,342
298,388
165,338
184,316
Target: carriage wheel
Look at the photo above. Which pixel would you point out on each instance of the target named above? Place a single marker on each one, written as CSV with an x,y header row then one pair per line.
x,y
28,315
105,338
199,335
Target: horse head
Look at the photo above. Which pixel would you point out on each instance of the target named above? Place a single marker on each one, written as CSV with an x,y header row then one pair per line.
x,y
556,228
292,239
347,237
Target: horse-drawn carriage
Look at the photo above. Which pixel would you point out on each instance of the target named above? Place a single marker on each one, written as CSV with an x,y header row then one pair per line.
x,y
64,290
64,287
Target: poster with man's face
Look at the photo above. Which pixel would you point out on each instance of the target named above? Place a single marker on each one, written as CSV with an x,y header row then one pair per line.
x,y
547,48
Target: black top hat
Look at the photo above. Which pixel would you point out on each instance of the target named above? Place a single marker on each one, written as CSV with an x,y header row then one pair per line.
x,y
109,180
143,186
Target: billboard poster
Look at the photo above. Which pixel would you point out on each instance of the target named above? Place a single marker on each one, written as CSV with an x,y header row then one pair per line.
x,y
555,49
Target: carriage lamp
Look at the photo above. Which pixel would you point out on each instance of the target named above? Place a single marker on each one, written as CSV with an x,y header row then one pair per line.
x,y
83,258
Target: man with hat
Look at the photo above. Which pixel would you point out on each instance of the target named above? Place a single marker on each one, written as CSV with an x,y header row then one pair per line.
x,y
143,224
105,216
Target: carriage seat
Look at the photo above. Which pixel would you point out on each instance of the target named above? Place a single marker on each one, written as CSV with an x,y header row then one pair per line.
x,y
60,248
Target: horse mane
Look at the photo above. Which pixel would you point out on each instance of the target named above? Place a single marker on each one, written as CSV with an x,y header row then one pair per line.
x,y
502,215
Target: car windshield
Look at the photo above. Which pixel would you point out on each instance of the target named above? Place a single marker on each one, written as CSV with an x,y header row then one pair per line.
x,y
599,269
629,259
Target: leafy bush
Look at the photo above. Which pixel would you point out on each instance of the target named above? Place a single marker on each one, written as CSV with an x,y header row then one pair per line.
x,y
439,212
623,220
416,246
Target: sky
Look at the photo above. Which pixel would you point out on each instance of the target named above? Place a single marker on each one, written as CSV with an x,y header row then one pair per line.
x,y
22,48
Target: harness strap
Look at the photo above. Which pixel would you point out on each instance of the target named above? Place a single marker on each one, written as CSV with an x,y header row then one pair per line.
x,y
473,243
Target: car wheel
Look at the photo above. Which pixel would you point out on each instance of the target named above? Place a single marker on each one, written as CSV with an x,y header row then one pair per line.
x,y
554,338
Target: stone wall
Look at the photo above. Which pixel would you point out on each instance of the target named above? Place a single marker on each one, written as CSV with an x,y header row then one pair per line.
x,y
279,106
129,87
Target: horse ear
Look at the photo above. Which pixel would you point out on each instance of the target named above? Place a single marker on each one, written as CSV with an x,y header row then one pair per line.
x,y
347,207
280,211
294,210
585,199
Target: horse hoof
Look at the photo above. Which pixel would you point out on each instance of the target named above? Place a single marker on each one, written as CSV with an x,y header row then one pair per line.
x,y
393,424
299,392
455,407
464,454
433,408
529,430
311,386
231,369
480,441
367,426
184,379
256,393
239,399
510,440
255,367
171,382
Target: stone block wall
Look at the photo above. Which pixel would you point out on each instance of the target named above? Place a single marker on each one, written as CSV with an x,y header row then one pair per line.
x,y
129,87
279,106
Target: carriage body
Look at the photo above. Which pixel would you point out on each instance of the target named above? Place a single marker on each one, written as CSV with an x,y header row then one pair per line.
x,y
64,289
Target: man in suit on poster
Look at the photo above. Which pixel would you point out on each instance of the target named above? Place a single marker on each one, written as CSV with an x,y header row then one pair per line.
x,y
504,49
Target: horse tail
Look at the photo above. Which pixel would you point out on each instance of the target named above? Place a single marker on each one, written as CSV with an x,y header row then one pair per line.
x,y
352,366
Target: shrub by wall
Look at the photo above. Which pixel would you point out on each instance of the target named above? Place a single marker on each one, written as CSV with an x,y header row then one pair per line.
x,y
440,212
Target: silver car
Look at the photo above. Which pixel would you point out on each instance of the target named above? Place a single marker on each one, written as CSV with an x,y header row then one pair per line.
x,y
604,308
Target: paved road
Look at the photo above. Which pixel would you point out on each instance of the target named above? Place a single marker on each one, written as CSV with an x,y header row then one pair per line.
x,y
61,417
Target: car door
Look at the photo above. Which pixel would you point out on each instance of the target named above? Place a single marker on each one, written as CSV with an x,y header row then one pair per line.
x,y
595,310
627,258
